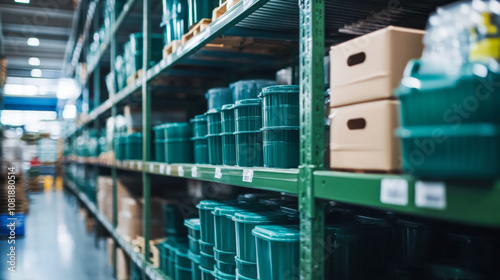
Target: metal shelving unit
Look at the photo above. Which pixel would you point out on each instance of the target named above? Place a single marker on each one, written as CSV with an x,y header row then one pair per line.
x,y
314,25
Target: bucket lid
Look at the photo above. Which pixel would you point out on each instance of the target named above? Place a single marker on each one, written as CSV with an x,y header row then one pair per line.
x,y
193,224
280,89
176,125
193,257
218,90
256,83
213,111
135,135
290,212
278,201
281,233
254,197
199,118
232,210
211,204
259,217
373,220
227,107
198,138
158,127
248,102
275,128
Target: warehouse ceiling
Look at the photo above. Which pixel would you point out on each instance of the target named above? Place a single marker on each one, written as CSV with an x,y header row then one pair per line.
x,y
35,35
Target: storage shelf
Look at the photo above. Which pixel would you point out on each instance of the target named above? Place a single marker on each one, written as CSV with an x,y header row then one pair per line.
x,y
136,257
470,203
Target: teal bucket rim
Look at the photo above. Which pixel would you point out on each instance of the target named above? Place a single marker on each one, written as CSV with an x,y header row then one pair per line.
x,y
274,128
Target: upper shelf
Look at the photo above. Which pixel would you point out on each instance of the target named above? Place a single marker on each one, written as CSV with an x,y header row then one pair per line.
x,y
472,203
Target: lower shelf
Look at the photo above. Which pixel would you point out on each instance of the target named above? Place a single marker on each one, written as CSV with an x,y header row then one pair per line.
x,y
137,258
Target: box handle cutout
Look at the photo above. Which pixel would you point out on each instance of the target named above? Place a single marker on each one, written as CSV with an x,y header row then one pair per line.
x,y
356,123
356,59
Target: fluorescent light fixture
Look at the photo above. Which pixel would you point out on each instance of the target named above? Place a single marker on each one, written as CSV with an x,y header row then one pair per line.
x,y
22,1
36,73
33,42
20,90
69,112
35,61
67,88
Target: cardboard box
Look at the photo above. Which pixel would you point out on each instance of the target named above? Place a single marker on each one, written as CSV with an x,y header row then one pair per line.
x,y
105,195
122,265
130,222
362,136
369,67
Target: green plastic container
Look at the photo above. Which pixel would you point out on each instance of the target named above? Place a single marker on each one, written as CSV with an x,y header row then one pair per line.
x,y
246,269
249,149
175,19
182,273
248,115
216,97
174,219
280,106
195,263
413,243
200,9
133,146
170,247
245,222
179,151
200,150
219,275
470,96
228,149
215,150
469,151
199,124
246,89
159,132
181,256
214,122
176,131
281,147
160,150
227,118
120,147
241,277
206,274
207,248
224,267
207,228
136,40
193,226
207,261
278,251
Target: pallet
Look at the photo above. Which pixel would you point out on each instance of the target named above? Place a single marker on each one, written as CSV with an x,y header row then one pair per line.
x,y
196,29
171,48
133,77
153,249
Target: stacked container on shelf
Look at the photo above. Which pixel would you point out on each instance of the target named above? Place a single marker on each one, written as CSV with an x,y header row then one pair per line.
x,y
200,142
363,110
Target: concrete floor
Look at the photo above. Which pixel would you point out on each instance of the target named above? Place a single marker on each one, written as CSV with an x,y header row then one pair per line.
x,y
56,245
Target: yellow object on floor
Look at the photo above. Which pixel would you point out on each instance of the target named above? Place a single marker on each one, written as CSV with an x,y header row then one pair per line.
x,y
48,183
59,183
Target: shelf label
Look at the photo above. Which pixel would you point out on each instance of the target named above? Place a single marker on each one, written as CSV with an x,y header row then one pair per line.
x,y
151,168
218,173
207,31
168,61
180,171
430,195
169,170
394,191
162,168
163,63
194,171
139,165
131,164
179,51
247,175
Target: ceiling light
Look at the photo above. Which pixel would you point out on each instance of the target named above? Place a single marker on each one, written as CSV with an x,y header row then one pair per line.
x,y
33,42
22,1
67,88
69,112
36,73
19,90
35,61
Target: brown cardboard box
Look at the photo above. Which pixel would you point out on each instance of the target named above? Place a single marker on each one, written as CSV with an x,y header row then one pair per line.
x,y
122,265
105,195
130,222
362,136
369,67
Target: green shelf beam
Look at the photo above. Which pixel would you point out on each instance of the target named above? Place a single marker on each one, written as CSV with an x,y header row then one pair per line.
x,y
136,257
471,203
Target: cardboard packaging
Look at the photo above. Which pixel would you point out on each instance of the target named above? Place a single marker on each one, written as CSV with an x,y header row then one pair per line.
x,y
369,67
362,136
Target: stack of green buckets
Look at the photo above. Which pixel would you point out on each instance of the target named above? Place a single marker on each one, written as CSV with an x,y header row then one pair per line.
x,y
159,136
178,146
228,138
193,226
248,137
199,139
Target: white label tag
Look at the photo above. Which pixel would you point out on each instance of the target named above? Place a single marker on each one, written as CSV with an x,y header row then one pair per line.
x,y
218,173
169,170
139,165
180,171
394,191
168,61
430,194
163,63
131,164
162,168
194,171
179,50
207,31
247,175
157,69
151,168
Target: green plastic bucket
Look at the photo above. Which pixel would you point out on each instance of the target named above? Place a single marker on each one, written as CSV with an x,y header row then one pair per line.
x,y
469,151
246,89
120,147
179,151
278,251
217,97
182,273
224,267
200,9
170,247
207,261
174,219
207,248
280,106
249,149
159,132
181,256
281,147
160,150
241,277
136,42
133,146
227,118
200,145
474,90
195,263
226,257
228,149
176,131
207,228
248,115
206,274
175,19
245,222
215,150
193,226
199,124
246,269
219,275
214,122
